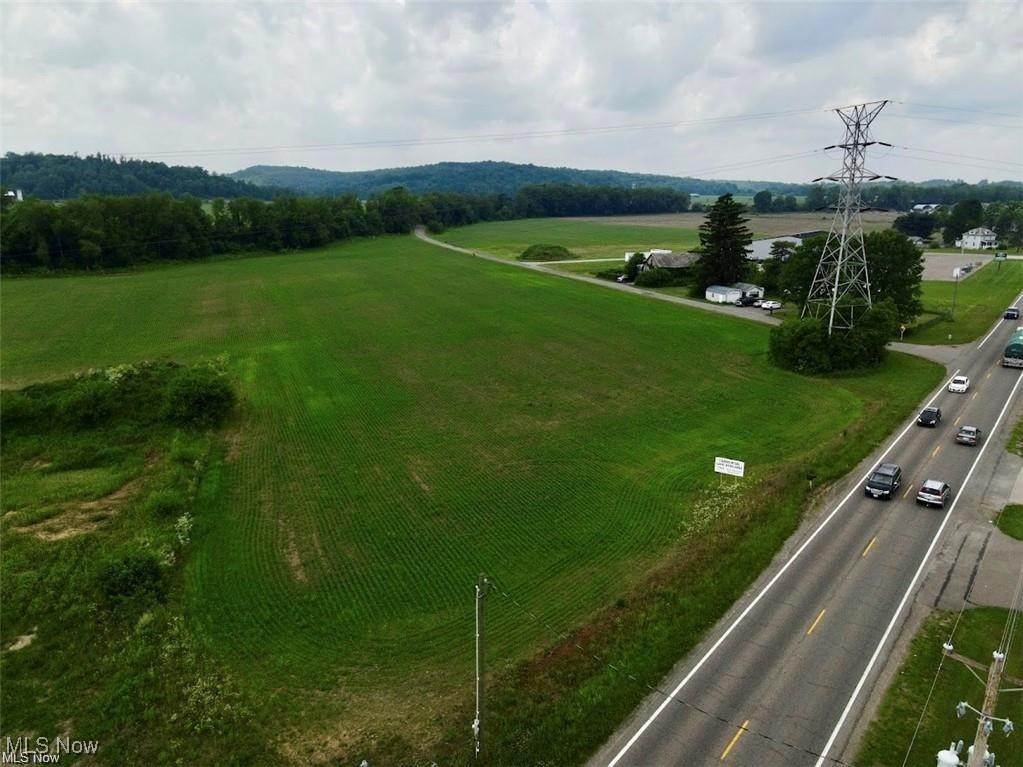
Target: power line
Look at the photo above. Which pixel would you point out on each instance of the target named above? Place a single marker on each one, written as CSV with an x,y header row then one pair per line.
x,y
958,122
965,156
971,110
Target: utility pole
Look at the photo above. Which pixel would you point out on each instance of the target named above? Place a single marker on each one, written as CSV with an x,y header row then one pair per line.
x,y
978,755
841,285
482,587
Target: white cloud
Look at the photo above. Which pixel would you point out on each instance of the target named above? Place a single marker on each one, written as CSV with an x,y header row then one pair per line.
x,y
154,77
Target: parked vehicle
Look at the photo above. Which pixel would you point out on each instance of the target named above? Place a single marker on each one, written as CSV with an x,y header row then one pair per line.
x,y
934,492
758,302
745,301
929,416
968,435
959,384
770,305
623,278
886,479
1012,313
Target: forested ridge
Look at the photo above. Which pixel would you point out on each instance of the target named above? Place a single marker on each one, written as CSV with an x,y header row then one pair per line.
x,y
64,177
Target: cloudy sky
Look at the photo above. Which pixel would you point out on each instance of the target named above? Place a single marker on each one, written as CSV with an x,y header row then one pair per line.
x,y
712,89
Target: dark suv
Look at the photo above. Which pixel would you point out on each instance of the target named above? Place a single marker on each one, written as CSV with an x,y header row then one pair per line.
x,y
929,416
1012,313
886,479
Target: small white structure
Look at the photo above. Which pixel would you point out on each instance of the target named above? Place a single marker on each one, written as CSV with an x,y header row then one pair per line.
x,y
749,289
14,195
977,239
719,294
926,207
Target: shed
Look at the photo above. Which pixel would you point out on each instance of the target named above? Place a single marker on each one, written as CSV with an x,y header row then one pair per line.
x,y
719,294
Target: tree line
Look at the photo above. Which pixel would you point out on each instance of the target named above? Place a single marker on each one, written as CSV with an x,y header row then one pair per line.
x,y
1005,219
97,232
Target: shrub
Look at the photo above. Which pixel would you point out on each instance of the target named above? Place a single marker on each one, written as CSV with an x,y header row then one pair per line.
x,y
165,503
546,253
608,274
804,346
88,403
133,574
198,397
660,278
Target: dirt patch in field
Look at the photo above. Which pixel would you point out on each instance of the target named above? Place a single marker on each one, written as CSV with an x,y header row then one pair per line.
x,y
291,554
417,469
23,641
234,445
79,517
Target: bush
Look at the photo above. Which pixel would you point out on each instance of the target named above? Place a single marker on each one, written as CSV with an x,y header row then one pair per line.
x,y
803,345
660,278
165,503
198,397
88,403
609,274
134,574
546,253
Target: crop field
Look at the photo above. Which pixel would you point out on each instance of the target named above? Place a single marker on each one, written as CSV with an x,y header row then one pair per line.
x,y
414,417
585,238
762,224
978,300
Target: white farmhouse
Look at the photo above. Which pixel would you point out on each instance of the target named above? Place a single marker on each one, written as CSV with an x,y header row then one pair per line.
x,y
977,239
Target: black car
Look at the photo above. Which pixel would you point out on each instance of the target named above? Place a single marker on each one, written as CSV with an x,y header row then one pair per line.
x,y
886,479
929,416
969,435
745,301
1012,313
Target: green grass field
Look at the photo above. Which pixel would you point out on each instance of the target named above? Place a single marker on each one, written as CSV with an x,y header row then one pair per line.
x,y
1010,521
586,239
414,417
978,301
906,701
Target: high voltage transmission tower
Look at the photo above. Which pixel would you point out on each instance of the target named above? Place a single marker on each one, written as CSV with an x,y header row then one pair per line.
x,y
841,285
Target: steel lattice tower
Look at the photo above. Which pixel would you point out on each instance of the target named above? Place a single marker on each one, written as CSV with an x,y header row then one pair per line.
x,y
841,285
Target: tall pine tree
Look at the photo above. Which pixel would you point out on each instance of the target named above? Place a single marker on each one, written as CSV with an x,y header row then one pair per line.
x,y
724,244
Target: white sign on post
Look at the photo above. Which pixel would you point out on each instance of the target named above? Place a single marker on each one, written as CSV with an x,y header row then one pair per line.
x,y
729,466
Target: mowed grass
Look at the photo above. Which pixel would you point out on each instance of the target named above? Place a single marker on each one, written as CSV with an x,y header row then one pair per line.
x,y
910,699
979,300
1010,521
585,238
414,417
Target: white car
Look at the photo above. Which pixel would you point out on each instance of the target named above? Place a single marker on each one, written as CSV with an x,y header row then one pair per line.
x,y
770,305
959,384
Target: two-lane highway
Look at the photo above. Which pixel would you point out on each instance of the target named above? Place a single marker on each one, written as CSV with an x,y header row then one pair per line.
x,y
781,678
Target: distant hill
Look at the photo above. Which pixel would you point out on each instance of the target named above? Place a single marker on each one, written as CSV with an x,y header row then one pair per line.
x,y
61,176
485,178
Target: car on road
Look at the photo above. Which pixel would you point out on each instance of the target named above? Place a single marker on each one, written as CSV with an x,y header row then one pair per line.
x,y
959,384
886,479
929,416
934,492
1012,313
745,301
624,279
770,305
968,435
758,302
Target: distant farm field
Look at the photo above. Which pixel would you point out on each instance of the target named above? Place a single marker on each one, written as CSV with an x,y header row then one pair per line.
x,y
414,417
585,238
762,224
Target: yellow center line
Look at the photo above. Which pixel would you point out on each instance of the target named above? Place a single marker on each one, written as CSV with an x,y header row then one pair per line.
x,y
935,451
818,620
988,375
734,740
908,490
974,396
869,546
957,420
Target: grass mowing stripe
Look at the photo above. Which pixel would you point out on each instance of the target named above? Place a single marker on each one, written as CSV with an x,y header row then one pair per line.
x,y
413,418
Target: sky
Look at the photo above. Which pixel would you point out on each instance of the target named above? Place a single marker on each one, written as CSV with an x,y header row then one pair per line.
x,y
737,90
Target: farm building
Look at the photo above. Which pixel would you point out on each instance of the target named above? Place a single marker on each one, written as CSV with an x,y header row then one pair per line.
x,y
658,258
926,207
977,239
749,289
719,294
760,250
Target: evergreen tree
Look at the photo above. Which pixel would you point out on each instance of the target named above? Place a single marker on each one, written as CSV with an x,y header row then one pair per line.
x,y
724,244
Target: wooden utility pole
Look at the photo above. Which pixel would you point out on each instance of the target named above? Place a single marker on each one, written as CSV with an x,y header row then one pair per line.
x,y
987,711
482,587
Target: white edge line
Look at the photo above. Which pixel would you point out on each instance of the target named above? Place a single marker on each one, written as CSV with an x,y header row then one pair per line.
x,y
770,584
998,324
912,585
